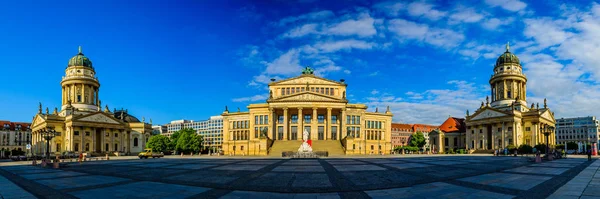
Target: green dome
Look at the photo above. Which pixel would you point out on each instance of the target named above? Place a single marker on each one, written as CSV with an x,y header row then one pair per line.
x,y
80,60
507,58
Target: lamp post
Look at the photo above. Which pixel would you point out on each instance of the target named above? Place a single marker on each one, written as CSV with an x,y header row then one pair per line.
x,y
48,134
547,130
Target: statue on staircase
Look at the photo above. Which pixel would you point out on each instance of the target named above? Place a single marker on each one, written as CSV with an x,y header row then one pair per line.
x,y
305,147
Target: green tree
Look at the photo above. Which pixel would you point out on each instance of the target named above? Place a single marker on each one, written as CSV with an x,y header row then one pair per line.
x,y
159,143
188,141
417,140
173,140
524,148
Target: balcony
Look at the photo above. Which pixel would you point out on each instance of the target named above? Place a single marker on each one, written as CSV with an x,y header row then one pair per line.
x,y
79,77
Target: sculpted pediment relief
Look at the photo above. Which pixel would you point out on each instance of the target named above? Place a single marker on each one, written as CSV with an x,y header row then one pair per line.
x,y
307,97
547,115
100,118
38,120
308,79
488,114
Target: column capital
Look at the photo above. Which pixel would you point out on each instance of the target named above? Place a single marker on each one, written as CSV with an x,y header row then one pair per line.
x,y
285,108
300,108
329,109
315,108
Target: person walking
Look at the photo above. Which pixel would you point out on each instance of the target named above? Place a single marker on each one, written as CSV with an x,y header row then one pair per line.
x,y
589,153
80,157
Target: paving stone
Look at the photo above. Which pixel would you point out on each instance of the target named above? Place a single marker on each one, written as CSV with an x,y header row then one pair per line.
x,y
302,168
52,175
311,180
538,170
191,166
141,190
240,167
407,165
11,190
80,181
435,190
513,181
342,168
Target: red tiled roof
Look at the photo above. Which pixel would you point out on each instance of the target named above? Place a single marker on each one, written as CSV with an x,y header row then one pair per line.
x,y
400,126
13,125
453,124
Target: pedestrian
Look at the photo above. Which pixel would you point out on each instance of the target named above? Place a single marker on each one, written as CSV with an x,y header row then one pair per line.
x,y
80,157
589,153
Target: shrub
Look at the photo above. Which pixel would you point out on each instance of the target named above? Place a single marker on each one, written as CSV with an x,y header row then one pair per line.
x,y
524,148
541,148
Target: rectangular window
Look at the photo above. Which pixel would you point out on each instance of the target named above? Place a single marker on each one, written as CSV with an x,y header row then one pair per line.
x,y
334,119
312,89
294,133
76,146
357,131
294,119
347,119
321,131
353,121
280,119
87,133
256,119
266,119
57,147
334,132
76,133
321,119
499,129
307,129
287,91
293,90
317,90
282,91
255,132
261,119
116,135
280,132
357,119
326,91
368,124
510,129
348,131
302,89
307,119
527,128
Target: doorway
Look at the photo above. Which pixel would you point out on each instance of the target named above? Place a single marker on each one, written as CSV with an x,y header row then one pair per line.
x,y
98,140
489,137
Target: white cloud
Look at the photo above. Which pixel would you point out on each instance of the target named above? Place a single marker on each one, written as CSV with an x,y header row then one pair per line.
x,y
417,9
302,31
313,16
374,92
408,30
494,23
251,98
374,73
390,8
510,5
286,64
547,32
334,46
465,15
362,27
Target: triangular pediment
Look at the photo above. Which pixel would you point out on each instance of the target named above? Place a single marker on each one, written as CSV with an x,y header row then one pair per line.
x,y
304,79
307,97
37,120
98,117
487,113
547,115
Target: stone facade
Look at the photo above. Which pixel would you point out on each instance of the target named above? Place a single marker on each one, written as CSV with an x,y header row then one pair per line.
x,y
306,102
81,124
450,135
14,135
401,134
508,120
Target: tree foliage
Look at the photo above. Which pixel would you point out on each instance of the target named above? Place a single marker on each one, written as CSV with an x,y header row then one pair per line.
x,y
417,140
158,143
188,141
524,148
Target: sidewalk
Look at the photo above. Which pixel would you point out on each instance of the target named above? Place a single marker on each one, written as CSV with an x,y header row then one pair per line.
x,y
585,185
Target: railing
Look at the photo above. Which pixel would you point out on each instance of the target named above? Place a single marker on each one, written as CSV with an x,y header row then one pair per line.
x,y
343,142
79,76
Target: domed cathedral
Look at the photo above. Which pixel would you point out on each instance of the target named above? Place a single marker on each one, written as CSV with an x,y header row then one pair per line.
x,y
81,125
310,103
507,120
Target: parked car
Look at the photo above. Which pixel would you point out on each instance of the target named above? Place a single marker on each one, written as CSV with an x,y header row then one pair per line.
x,y
18,157
149,153
69,154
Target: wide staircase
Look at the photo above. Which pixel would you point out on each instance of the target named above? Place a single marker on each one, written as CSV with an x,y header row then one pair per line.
x,y
280,146
333,147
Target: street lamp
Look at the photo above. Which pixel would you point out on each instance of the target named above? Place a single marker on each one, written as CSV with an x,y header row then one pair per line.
x,y
48,134
547,130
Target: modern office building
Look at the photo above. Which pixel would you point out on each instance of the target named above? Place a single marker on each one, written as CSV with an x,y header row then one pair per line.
x,y
211,130
580,130
508,120
159,129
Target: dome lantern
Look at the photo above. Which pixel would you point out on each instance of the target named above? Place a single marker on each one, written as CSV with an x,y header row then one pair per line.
x,y
80,60
508,57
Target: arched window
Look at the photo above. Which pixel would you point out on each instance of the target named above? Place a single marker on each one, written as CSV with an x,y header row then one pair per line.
x,y
116,147
135,142
106,147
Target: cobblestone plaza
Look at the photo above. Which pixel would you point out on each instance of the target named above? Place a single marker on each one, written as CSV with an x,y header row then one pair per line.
x,y
390,177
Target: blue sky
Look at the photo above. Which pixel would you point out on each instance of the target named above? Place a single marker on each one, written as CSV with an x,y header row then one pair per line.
x,y
188,59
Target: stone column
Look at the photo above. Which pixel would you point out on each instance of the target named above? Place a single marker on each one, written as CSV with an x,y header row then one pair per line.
x,y
342,127
328,127
503,144
272,124
314,123
534,133
300,124
285,123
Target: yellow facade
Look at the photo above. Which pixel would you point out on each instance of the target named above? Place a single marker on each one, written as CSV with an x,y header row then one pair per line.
x,y
81,125
306,102
508,120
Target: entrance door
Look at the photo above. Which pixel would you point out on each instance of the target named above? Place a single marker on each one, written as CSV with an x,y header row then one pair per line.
x,y
98,140
489,137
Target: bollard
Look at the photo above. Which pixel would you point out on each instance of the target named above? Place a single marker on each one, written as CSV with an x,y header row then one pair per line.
x,y
56,164
191,153
181,154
